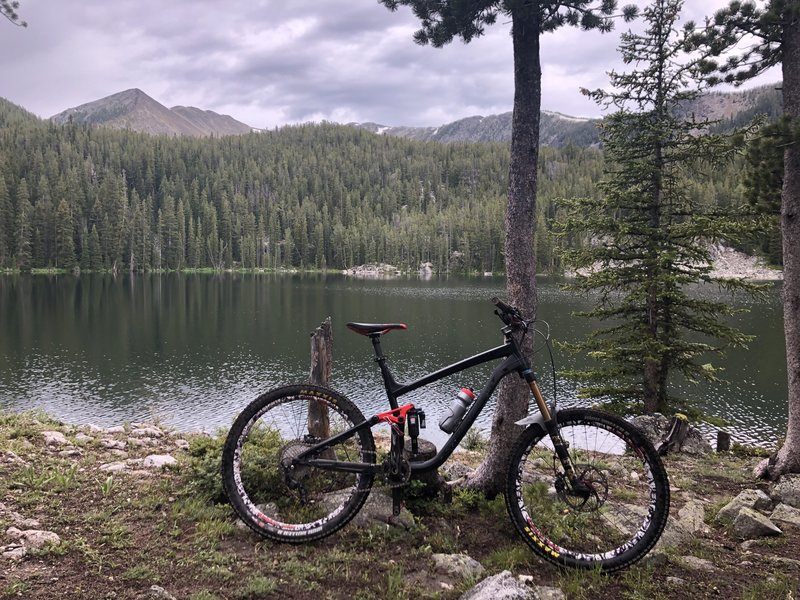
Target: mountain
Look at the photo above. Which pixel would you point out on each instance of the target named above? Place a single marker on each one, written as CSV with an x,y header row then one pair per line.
x,y
731,109
135,110
556,130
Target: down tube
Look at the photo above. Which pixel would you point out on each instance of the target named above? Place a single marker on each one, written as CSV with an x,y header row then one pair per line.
x,y
509,365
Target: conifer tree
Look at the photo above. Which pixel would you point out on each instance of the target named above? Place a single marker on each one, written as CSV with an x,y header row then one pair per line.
x,y
24,229
647,238
442,21
65,243
773,37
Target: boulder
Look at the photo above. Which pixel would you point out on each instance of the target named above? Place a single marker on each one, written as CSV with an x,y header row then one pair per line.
x,y
754,499
502,586
750,524
692,516
656,426
787,490
786,514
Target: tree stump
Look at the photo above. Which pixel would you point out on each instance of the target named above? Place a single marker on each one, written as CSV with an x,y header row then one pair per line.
x,y
321,359
678,430
433,483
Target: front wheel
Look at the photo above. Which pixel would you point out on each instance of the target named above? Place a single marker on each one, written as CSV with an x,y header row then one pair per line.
x,y
279,496
621,509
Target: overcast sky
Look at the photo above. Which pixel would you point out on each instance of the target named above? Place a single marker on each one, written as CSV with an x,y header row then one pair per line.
x,y
272,62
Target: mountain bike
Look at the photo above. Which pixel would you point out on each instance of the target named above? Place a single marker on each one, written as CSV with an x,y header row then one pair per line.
x,y
585,489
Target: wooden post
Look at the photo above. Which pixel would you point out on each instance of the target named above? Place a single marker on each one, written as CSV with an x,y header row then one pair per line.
x,y
723,441
321,359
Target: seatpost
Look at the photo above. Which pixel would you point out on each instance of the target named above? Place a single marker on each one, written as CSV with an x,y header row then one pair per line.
x,y
388,380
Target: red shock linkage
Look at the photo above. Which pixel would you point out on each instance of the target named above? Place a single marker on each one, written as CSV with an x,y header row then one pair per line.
x,y
396,416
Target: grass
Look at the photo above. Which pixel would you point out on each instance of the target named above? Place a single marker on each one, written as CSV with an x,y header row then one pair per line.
x,y
122,534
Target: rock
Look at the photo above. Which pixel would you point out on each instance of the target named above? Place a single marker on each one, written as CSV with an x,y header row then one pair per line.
x,y
656,558
754,499
182,444
453,470
787,490
656,426
782,560
692,516
35,539
377,509
502,586
12,552
676,581
112,444
14,533
54,438
750,524
786,514
457,565
156,591
158,461
699,564
7,456
93,428
150,432
675,534
70,453
114,467
549,593
81,438
115,430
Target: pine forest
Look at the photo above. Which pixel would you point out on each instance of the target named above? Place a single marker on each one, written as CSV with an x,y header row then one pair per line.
x,y
320,196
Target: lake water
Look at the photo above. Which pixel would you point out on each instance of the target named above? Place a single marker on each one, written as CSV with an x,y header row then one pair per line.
x,y
193,350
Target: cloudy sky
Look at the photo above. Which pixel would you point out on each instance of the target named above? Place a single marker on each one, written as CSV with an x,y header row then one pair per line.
x,y
272,62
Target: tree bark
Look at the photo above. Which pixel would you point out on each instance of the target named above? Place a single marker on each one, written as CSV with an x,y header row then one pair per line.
x,y
520,224
788,458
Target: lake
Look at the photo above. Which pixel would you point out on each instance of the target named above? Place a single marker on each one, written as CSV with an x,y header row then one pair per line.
x,y
191,350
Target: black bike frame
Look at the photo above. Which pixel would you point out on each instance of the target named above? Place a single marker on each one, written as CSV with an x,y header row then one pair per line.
x,y
514,362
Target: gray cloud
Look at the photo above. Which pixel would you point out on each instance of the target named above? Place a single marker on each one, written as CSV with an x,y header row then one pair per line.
x,y
272,62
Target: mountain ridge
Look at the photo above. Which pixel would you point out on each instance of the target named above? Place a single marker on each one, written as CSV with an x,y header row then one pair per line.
x,y
134,109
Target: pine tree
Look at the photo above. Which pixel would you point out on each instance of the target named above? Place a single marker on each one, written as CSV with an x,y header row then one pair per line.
x,y
773,32
64,240
24,228
442,21
648,237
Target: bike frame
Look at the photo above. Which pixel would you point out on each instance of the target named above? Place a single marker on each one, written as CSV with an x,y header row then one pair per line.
x,y
514,362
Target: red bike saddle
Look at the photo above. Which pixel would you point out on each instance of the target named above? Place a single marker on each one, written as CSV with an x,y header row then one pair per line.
x,y
373,328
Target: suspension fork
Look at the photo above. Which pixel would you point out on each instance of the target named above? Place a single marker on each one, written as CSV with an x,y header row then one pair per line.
x,y
560,447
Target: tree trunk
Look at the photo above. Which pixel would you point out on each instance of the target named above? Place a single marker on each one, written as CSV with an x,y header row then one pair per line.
x,y
788,458
512,403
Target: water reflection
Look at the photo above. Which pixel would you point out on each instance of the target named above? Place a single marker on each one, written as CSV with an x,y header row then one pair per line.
x,y
192,350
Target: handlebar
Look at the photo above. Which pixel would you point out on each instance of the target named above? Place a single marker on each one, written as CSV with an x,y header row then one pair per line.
x,y
509,315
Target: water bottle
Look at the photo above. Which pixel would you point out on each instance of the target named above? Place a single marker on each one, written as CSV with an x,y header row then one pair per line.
x,y
457,409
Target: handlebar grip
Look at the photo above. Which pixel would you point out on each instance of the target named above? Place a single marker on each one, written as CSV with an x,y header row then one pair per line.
x,y
504,308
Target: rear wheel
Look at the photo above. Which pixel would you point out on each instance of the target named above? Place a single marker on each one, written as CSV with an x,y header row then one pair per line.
x,y
278,497
625,501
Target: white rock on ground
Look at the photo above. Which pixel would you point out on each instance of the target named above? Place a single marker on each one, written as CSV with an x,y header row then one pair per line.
x,y
54,438
457,565
158,461
502,586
